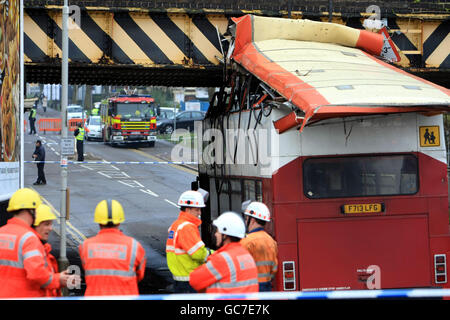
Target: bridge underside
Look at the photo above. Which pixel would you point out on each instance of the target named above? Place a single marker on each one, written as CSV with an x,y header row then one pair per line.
x,y
133,75
166,76
120,45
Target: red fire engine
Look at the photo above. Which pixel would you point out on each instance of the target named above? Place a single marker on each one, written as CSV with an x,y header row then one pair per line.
x,y
346,150
129,119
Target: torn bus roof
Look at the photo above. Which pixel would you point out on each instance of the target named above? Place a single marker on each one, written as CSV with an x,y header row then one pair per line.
x,y
319,68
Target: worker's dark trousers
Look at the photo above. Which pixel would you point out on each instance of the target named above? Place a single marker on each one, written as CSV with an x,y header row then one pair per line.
x,y
32,127
183,287
41,175
80,150
265,286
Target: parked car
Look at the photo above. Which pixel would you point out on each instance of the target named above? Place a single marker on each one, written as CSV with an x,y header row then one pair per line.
x,y
74,111
183,120
94,128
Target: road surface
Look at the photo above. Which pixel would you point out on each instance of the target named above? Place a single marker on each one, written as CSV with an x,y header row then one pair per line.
x,y
147,192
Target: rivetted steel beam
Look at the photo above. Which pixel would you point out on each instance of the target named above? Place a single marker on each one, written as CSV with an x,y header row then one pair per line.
x,y
147,42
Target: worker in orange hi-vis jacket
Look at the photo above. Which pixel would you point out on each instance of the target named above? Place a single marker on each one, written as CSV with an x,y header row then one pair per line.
x,y
113,262
22,256
260,244
43,225
231,269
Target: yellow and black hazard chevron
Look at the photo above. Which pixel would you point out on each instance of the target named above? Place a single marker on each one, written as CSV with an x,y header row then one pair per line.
x,y
423,41
177,42
126,38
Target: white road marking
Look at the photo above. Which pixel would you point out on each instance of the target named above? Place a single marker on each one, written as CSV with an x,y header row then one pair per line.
x,y
124,174
103,174
150,192
174,204
138,183
130,184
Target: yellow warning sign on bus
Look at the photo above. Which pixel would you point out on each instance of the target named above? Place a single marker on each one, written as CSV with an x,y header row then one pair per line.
x,y
429,136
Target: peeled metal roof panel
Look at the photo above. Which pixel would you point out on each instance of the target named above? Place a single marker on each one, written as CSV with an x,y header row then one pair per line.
x,y
373,83
350,80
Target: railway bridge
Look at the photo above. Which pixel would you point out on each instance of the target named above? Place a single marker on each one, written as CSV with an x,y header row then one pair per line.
x,y
177,43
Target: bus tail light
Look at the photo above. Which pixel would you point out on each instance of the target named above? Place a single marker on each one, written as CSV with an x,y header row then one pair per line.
x,y
289,282
440,268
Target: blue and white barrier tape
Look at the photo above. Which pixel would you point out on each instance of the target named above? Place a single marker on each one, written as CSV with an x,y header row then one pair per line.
x,y
117,162
295,295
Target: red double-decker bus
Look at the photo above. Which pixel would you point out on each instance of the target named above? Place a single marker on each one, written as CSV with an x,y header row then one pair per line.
x,y
347,151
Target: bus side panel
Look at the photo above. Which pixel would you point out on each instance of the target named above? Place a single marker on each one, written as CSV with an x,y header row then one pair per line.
x,y
434,186
287,182
336,253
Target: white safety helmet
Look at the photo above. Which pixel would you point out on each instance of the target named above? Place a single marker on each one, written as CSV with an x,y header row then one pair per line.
x,y
231,224
258,210
191,199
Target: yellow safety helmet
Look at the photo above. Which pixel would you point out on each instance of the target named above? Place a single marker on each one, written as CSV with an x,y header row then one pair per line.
x,y
109,211
24,198
43,213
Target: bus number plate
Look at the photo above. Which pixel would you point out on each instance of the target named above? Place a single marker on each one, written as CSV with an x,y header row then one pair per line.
x,y
362,208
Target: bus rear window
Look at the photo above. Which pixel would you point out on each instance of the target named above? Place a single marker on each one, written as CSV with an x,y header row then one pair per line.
x,y
360,176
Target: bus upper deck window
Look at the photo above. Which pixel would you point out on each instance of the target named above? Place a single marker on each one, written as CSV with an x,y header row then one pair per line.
x,y
360,176
253,190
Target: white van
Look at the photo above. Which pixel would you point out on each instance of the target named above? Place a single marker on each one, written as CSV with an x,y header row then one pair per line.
x,y
74,111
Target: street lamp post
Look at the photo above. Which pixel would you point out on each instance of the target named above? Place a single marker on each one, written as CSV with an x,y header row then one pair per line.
x,y
63,261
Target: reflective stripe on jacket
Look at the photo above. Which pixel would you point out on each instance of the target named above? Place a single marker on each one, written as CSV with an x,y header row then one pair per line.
x,y
23,268
185,250
52,266
80,135
264,251
231,269
113,263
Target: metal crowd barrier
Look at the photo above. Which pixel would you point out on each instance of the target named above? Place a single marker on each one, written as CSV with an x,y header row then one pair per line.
x,y
54,124
49,124
295,295
73,123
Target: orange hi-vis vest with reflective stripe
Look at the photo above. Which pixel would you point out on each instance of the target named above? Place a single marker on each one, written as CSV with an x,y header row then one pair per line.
x,y
113,263
231,269
23,267
185,250
264,251
52,265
